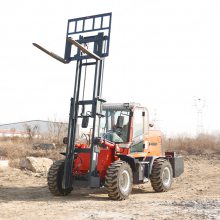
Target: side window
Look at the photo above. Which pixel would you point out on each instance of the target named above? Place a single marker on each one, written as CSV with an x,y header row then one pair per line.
x,y
138,126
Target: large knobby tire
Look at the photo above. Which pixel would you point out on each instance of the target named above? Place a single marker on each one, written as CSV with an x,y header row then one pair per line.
x,y
162,175
54,179
119,180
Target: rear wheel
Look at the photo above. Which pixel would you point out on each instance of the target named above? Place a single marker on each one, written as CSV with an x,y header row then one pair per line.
x,y
161,175
55,177
119,180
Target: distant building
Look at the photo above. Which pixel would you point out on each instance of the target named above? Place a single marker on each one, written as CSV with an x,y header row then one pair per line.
x,y
12,133
22,129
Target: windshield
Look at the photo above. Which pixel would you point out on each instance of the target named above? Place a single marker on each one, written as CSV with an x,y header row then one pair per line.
x,y
110,127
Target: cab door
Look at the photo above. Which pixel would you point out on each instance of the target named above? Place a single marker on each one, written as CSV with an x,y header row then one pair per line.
x,y
140,128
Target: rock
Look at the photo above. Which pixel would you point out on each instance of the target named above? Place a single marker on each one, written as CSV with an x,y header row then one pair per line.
x,y
3,165
36,164
43,146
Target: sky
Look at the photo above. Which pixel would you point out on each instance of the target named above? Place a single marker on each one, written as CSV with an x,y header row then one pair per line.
x,y
163,54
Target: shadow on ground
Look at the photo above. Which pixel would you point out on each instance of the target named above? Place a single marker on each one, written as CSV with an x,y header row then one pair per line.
x,y
41,193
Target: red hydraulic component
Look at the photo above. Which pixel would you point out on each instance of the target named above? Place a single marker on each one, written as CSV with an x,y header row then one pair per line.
x,y
108,144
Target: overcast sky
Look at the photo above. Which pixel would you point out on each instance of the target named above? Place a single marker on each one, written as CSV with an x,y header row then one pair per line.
x,y
162,55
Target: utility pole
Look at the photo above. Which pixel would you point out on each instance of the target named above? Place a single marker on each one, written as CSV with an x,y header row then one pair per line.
x,y
199,105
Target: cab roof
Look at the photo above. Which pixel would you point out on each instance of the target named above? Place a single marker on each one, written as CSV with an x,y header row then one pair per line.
x,y
120,106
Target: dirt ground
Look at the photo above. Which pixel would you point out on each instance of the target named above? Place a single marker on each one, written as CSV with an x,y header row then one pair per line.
x,y
194,195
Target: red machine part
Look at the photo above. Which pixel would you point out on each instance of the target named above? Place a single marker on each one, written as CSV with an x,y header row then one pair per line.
x,y
105,158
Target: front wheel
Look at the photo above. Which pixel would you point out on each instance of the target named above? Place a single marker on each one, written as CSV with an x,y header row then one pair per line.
x,y
119,180
55,177
161,175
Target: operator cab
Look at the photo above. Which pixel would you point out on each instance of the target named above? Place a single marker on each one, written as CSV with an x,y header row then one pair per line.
x,y
125,124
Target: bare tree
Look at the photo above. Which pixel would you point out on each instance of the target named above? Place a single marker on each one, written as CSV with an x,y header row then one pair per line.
x,y
32,131
57,130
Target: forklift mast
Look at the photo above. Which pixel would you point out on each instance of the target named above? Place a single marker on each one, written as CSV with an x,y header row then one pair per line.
x,y
93,31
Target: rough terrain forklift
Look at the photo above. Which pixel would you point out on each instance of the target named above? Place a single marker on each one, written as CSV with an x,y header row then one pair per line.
x,y
121,149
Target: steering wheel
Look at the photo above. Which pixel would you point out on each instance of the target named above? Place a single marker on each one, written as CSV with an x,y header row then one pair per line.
x,y
112,132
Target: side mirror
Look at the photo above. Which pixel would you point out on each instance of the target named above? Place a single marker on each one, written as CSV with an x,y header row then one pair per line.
x,y
120,121
85,121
